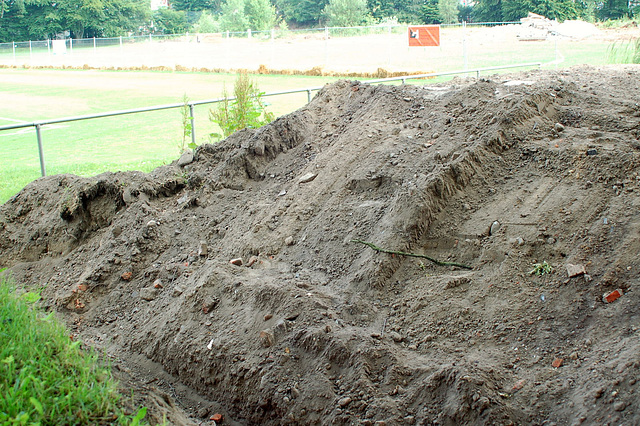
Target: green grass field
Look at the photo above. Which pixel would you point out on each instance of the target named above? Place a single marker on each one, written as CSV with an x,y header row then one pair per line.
x,y
139,141
144,141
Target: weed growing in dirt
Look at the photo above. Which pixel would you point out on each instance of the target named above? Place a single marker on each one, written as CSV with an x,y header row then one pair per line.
x,y
245,109
45,377
541,269
624,52
187,127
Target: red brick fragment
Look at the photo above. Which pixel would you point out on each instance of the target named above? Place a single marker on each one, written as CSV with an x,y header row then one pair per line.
x,y
614,295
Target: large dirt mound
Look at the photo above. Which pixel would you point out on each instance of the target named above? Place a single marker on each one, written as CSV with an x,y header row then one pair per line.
x,y
499,174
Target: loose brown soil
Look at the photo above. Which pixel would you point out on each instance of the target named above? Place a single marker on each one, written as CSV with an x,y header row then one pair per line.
x,y
313,328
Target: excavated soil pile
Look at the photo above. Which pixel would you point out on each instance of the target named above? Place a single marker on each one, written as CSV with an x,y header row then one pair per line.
x,y
499,174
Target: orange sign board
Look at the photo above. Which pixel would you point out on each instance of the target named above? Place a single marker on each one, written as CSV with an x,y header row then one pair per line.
x,y
424,35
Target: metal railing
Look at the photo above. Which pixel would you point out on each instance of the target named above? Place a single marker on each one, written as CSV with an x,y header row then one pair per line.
x,y
192,104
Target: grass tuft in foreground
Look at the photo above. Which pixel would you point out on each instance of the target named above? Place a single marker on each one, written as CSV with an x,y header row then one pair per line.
x,y
45,377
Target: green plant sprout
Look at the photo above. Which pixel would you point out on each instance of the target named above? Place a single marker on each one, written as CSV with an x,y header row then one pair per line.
x,y
541,269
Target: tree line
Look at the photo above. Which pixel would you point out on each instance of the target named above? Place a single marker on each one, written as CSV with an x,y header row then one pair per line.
x,y
22,20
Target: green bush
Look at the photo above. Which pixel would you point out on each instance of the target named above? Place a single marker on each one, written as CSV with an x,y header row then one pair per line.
x,y
245,109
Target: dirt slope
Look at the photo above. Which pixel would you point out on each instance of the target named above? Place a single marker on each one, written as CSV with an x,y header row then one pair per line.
x,y
313,328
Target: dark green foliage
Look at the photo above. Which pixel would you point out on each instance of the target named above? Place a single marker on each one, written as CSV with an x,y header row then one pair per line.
x,y
168,21
301,12
39,19
430,13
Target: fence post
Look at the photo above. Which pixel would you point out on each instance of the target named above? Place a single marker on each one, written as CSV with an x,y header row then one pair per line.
x,y
48,47
94,45
193,125
71,44
13,45
248,32
326,46
43,171
389,44
308,96
464,45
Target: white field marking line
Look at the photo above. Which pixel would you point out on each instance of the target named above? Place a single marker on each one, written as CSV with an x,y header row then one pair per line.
x,y
28,129
12,119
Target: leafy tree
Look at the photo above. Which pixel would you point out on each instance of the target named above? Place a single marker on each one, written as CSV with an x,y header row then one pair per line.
x,y
448,11
345,13
206,24
488,11
612,9
168,21
410,11
42,19
261,14
513,10
197,5
301,12
233,17
464,13
430,13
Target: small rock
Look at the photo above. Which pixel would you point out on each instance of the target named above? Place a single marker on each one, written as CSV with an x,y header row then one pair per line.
x,y
327,328
558,127
268,317
148,293
518,385
216,417
588,278
289,241
177,291
127,196
237,261
573,356
126,276
495,227
267,339
344,402
551,240
185,158
557,362
436,135
157,283
152,223
295,392
619,405
396,337
614,295
307,177
252,260
592,152
575,270
204,249
409,420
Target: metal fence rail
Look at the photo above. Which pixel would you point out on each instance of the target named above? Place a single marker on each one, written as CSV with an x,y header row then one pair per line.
x,y
192,104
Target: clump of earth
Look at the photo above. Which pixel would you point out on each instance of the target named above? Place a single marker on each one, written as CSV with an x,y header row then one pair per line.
x,y
234,283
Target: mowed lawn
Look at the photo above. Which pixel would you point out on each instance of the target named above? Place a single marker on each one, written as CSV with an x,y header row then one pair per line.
x,y
140,141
